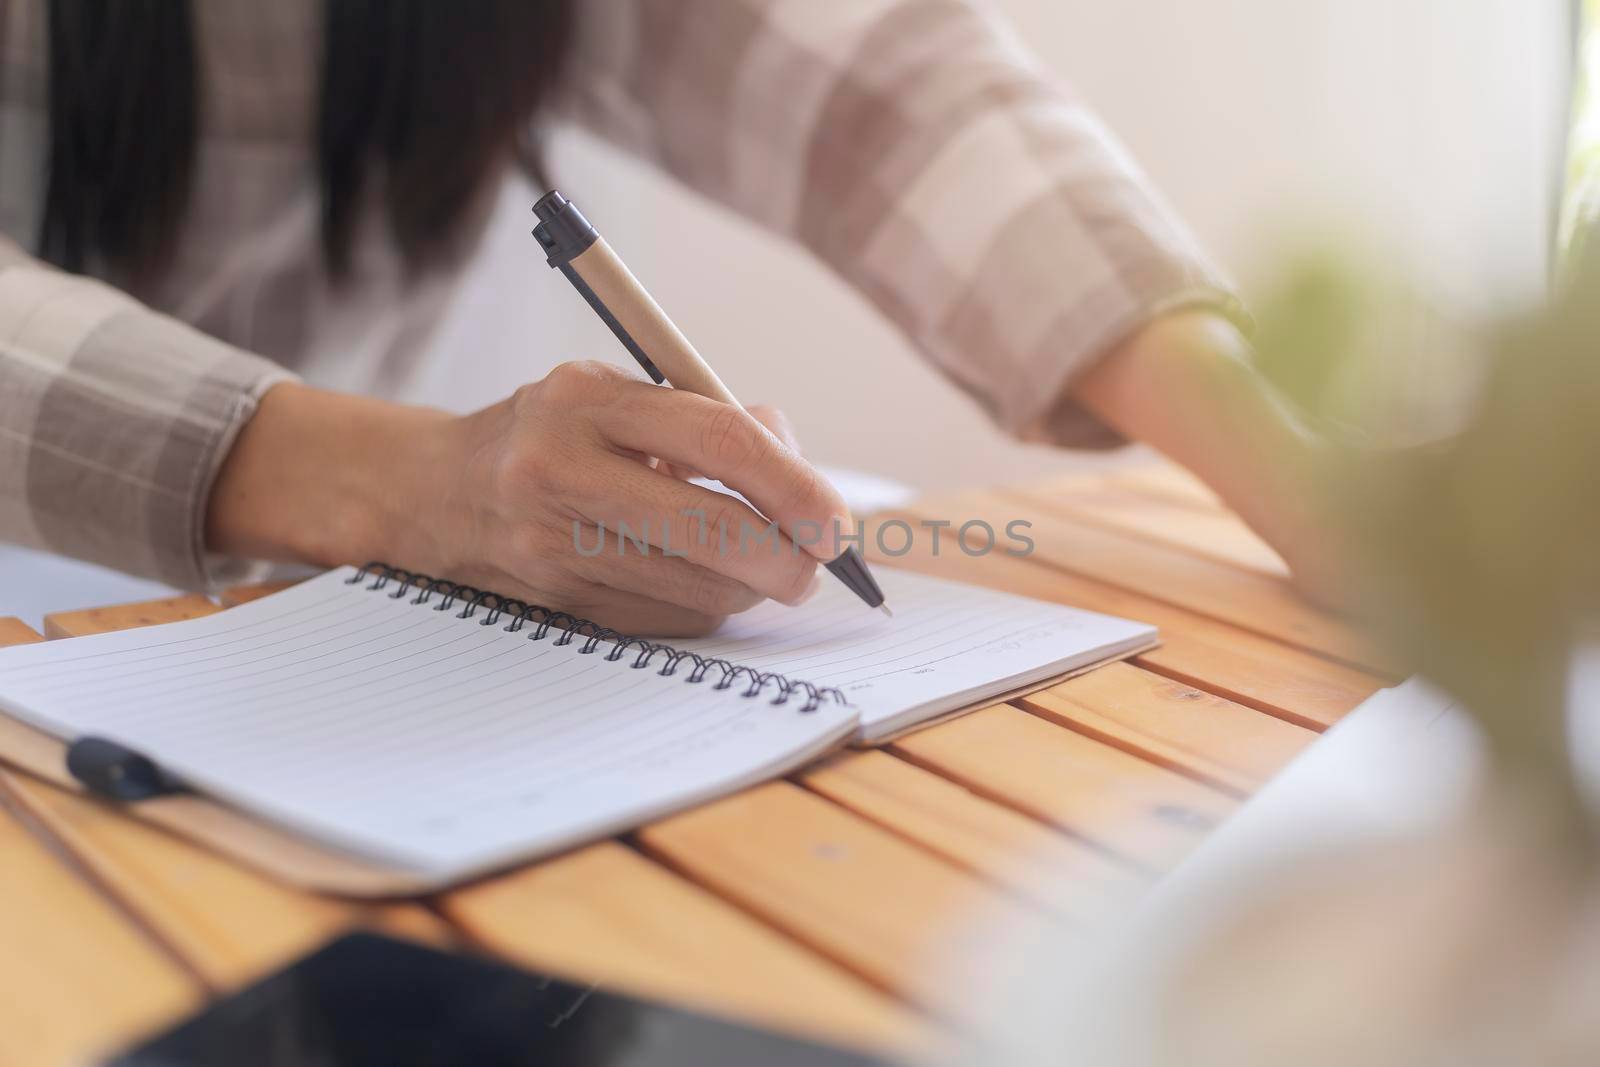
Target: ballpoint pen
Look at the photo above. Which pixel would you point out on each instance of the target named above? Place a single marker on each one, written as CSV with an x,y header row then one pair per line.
x,y
575,248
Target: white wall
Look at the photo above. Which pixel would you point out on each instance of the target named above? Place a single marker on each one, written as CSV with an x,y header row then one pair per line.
x,y
1428,126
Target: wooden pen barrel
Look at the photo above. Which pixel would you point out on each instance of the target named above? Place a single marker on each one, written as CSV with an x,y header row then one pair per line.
x,y
638,313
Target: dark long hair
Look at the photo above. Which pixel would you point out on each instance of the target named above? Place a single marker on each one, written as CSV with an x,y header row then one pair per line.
x,y
429,97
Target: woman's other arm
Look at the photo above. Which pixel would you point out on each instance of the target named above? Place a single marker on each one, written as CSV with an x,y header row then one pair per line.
x,y
1185,384
918,150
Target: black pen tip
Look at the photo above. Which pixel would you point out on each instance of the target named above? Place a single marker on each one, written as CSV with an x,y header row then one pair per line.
x,y
852,570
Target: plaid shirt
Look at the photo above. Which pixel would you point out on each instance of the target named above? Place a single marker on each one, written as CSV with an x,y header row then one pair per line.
x,y
911,145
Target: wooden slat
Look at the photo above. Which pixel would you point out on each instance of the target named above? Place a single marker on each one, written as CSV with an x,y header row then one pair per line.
x,y
1214,740
127,616
411,922
607,914
1219,534
77,979
1119,802
17,632
862,896
814,862
230,924
1220,658
233,596
1260,603
1255,602
1010,849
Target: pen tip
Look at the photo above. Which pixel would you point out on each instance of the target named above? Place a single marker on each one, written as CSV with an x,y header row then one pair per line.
x,y
885,609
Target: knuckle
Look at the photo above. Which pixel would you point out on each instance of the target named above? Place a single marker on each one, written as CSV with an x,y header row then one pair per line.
x,y
728,437
710,593
523,468
529,399
724,525
580,382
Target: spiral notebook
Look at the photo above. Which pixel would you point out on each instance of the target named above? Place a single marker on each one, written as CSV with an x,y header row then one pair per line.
x,y
443,731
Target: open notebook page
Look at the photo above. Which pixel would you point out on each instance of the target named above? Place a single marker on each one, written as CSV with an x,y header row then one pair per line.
x,y
948,646
406,734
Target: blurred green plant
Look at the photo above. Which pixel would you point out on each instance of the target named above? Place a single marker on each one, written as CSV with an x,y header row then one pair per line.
x,y
1471,489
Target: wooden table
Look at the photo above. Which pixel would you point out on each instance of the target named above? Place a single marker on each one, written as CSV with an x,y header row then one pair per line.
x,y
812,904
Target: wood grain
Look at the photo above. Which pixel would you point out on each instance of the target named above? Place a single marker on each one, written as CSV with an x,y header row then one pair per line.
x,y
1220,535
814,905
884,908
77,979
235,595
229,923
411,922
609,915
127,616
992,841
1118,802
1259,603
1218,657
1194,733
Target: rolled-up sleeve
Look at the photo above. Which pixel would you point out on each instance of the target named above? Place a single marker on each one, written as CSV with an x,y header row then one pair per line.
x,y
113,423
919,151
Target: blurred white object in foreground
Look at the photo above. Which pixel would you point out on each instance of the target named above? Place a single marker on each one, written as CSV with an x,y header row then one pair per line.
x,y
1376,904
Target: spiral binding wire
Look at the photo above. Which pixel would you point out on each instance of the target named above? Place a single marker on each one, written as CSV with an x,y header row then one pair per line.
x,y
572,629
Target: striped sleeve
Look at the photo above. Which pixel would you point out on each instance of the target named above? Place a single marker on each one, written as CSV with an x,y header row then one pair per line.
x,y
113,423
919,151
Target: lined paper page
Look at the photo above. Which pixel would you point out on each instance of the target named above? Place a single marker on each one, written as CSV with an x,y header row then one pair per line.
x,y
947,645
407,733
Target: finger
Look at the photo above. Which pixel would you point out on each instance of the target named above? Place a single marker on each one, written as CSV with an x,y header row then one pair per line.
x,y
683,474
775,420
667,579
641,616
628,612
713,530
772,418
728,444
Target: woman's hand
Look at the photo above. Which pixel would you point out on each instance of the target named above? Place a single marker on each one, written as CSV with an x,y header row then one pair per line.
x,y
515,497
1186,385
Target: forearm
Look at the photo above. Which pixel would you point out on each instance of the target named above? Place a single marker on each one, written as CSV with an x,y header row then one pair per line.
x,y
326,479
113,421
1185,385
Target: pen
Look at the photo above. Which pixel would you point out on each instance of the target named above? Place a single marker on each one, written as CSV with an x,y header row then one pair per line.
x,y
108,769
576,249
